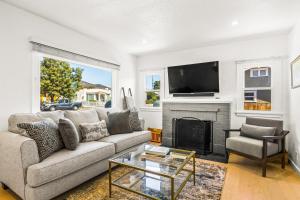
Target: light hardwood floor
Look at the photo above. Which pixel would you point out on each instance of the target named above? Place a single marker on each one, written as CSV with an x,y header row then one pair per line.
x,y
244,182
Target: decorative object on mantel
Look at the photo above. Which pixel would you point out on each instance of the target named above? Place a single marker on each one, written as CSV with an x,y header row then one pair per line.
x,y
295,73
209,184
156,134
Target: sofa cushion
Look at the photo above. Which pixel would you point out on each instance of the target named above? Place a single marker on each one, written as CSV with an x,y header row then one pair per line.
x,y
65,162
257,132
79,117
21,118
127,140
250,146
54,115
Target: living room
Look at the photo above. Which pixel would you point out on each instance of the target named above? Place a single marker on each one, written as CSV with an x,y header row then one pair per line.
x,y
127,72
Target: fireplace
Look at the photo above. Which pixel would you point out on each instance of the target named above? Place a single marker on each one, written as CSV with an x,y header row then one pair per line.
x,y
193,134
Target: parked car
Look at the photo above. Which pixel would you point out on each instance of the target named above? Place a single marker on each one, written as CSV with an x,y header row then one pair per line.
x,y
63,104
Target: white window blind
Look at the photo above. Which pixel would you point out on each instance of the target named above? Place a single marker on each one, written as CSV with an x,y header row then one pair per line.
x,y
47,49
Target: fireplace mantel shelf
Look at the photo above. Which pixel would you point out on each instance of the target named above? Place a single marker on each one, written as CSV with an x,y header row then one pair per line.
x,y
190,100
195,110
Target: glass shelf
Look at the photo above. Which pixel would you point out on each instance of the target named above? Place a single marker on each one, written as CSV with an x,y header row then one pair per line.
x,y
150,185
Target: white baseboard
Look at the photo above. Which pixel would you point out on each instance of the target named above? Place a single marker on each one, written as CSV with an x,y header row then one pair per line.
x,y
294,165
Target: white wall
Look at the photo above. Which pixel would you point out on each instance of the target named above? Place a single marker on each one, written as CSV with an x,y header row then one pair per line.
x,y
294,96
17,26
226,53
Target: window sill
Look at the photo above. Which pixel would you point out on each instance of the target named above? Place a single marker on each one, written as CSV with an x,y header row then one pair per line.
x,y
268,114
151,109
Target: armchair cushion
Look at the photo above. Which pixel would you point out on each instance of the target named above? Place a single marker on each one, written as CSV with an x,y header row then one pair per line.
x,y
267,123
251,146
257,132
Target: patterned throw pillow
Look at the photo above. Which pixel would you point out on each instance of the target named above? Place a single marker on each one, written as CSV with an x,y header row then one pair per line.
x,y
134,121
93,131
46,135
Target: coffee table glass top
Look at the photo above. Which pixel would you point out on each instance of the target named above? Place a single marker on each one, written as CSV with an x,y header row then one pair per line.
x,y
162,165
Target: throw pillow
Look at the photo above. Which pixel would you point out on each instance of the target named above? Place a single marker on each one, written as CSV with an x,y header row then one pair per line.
x,y
46,135
134,121
68,133
93,131
257,132
82,116
118,122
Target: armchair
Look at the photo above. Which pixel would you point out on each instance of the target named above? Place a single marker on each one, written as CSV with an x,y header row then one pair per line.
x,y
264,148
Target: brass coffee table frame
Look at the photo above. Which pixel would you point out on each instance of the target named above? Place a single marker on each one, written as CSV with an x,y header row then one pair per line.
x,y
174,194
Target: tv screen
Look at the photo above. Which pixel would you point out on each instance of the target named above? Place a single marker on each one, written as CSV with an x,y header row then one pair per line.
x,y
194,78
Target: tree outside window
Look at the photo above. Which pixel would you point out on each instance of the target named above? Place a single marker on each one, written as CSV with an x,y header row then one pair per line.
x,y
65,86
152,90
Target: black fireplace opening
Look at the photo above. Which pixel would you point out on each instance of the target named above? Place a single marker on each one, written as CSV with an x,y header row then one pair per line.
x,y
193,134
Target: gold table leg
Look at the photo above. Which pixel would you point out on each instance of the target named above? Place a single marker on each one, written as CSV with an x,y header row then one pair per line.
x,y
172,189
109,177
194,169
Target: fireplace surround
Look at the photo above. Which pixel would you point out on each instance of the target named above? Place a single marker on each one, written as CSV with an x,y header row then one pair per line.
x,y
216,110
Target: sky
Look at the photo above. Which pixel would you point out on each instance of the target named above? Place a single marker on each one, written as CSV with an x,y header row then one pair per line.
x,y
95,75
150,79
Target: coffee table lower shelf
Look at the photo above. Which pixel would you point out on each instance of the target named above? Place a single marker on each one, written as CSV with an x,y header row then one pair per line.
x,y
151,185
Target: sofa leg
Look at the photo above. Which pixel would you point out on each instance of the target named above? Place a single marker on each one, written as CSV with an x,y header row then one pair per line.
x,y
4,186
264,168
283,161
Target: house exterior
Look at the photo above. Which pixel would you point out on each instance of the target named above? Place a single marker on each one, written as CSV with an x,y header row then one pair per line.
x,y
93,95
257,93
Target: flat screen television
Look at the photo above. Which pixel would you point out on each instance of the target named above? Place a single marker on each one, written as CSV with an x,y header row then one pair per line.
x,y
194,78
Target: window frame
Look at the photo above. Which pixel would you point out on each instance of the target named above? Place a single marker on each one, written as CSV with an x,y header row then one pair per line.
x,y
277,100
37,57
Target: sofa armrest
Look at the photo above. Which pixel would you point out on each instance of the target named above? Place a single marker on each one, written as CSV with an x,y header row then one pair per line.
x,y
17,153
142,123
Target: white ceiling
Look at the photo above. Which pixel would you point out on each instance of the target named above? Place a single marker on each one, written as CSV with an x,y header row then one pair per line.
x,y
144,26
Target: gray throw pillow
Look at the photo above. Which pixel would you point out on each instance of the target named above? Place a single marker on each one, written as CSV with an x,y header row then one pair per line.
x,y
46,135
257,132
68,133
134,121
118,122
93,131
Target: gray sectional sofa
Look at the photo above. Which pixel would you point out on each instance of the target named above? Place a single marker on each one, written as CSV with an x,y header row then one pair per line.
x,y
30,179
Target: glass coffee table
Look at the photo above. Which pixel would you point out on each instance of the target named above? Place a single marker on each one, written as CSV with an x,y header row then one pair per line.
x,y
153,176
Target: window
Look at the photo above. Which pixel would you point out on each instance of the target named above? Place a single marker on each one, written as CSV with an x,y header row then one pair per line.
x,y
250,96
152,83
258,80
259,72
66,85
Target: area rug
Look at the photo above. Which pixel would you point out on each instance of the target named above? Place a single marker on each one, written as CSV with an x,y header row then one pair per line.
x,y
209,184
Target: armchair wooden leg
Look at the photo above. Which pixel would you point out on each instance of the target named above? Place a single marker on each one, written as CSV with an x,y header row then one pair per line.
x,y
283,161
4,186
264,168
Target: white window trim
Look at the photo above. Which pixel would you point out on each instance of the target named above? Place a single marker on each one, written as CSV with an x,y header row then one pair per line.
x,y
142,89
36,61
